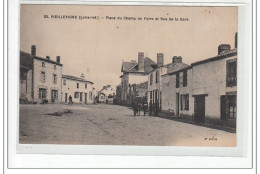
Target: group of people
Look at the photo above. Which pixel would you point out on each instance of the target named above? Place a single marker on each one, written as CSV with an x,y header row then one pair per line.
x,y
153,108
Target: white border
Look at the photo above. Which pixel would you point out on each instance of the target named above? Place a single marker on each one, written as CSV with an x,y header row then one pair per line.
x,y
98,161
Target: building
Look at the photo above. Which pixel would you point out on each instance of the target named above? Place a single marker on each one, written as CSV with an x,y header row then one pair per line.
x,y
80,89
134,73
40,78
155,77
205,90
106,94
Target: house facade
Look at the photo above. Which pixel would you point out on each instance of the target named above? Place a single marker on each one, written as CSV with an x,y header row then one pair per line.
x,y
205,90
40,78
155,83
80,89
134,73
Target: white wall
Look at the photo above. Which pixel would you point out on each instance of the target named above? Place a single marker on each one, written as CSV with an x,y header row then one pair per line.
x,y
210,78
48,84
71,87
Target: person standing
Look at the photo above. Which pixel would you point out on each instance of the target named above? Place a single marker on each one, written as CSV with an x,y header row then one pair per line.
x,y
156,107
134,108
150,108
145,106
70,100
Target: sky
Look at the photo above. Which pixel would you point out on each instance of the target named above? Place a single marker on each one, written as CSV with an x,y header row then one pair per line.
x,y
97,47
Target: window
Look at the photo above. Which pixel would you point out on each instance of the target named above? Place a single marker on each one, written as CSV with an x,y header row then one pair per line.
x,y
54,78
43,64
76,95
54,67
102,97
185,102
185,79
231,73
86,85
77,85
177,80
151,79
54,94
42,93
157,76
42,78
64,82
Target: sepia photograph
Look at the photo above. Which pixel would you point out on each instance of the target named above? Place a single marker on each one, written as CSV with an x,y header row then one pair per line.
x,y
128,75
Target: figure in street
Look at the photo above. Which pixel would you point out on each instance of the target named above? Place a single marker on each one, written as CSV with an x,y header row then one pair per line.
x,y
145,107
70,100
150,108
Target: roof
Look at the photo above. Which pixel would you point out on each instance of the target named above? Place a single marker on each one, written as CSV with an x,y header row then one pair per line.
x,y
173,67
26,60
76,78
143,85
105,87
46,60
27,55
132,67
218,57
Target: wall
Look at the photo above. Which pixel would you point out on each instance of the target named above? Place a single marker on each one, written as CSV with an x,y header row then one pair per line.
x,y
23,83
71,87
169,91
210,78
109,91
48,84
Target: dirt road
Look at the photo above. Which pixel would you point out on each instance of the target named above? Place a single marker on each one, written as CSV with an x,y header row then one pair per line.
x,y
110,125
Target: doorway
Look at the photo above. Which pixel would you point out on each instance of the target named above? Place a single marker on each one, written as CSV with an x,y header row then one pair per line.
x,y
177,104
66,97
80,97
228,106
86,97
199,108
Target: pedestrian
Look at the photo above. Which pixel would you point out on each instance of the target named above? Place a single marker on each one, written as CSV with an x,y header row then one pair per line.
x,y
150,108
70,100
145,106
134,108
156,107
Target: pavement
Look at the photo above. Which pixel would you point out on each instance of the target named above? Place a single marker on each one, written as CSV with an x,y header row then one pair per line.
x,y
110,125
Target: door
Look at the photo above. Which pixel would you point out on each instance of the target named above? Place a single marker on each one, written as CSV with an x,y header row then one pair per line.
x,y
80,97
199,108
86,95
66,97
223,107
177,104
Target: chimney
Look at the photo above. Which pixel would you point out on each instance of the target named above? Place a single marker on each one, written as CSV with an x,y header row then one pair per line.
x,y
177,59
140,61
33,50
82,76
47,57
223,48
160,59
236,40
58,59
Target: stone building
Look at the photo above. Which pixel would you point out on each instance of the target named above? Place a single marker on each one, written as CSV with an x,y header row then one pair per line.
x,y
205,90
134,73
155,77
106,94
40,78
80,89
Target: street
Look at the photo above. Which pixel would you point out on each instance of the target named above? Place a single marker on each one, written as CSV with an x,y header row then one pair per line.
x,y
110,125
